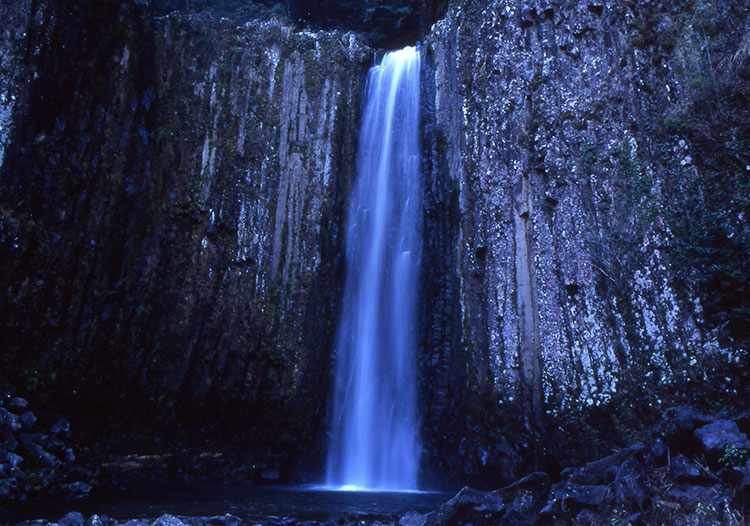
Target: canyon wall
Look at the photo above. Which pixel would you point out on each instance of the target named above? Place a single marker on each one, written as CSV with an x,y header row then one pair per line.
x,y
173,191
587,143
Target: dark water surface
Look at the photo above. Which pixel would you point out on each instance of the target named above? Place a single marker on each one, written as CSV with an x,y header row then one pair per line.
x,y
246,501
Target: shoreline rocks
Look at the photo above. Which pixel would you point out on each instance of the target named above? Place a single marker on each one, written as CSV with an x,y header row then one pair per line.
x,y
35,460
696,471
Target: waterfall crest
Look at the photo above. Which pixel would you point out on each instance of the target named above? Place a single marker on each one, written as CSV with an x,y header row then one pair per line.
x,y
375,429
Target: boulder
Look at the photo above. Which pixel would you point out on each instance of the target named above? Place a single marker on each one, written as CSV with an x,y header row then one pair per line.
x,y
691,496
743,421
13,460
568,498
17,404
745,483
28,419
524,498
657,455
412,518
537,482
586,495
602,471
168,520
94,520
717,436
7,486
223,520
682,469
76,489
469,506
9,422
678,424
73,518
59,426
630,486
37,455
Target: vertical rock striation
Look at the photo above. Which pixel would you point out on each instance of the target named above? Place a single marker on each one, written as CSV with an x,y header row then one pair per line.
x,y
551,116
173,195
172,204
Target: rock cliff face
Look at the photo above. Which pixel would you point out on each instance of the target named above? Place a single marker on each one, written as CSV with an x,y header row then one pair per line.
x,y
172,196
569,132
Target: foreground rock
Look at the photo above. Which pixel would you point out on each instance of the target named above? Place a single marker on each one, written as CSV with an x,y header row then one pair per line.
x,y
35,459
667,483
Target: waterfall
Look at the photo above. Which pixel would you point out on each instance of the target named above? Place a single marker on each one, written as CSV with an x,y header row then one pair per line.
x,y
375,429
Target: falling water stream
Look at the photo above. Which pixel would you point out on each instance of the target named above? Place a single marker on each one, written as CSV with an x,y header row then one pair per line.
x,y
375,430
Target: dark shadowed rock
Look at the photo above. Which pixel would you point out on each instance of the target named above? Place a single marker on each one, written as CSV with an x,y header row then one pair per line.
x,y
682,469
715,437
567,499
13,459
36,454
469,506
412,518
657,454
678,424
223,520
7,485
691,495
525,497
168,520
538,482
76,489
17,404
9,421
743,421
744,485
73,518
59,426
585,495
631,486
28,419
602,471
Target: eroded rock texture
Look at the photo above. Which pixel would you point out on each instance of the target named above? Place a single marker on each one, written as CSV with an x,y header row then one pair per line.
x,y
173,195
172,198
563,127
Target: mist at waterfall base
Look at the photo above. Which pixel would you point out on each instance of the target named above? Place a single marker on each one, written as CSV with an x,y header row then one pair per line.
x,y
375,430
